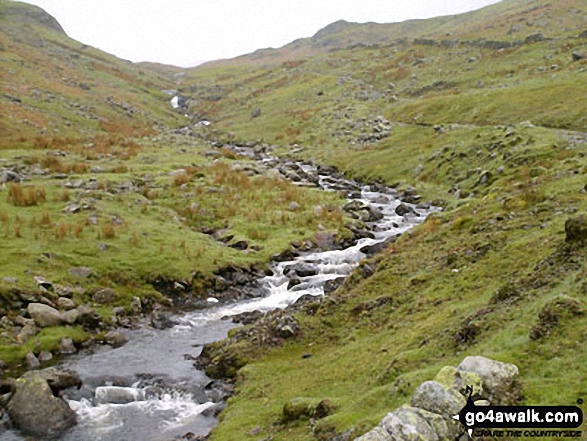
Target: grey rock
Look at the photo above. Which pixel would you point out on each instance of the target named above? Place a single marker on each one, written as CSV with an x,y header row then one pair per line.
x,y
26,333
65,303
377,434
70,317
44,315
497,377
66,346
32,361
136,305
332,284
436,398
58,379
88,317
81,272
256,112
9,176
105,296
43,283
45,356
450,376
301,270
485,178
403,209
36,411
414,424
115,338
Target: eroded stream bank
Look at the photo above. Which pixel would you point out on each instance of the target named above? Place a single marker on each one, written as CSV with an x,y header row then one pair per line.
x,y
149,389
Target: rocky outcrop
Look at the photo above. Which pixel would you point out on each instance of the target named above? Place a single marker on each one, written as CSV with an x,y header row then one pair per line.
x,y
434,403
36,408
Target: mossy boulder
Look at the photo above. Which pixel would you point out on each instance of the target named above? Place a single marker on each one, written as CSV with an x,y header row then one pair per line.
x,y
36,411
450,376
298,408
438,398
413,424
576,228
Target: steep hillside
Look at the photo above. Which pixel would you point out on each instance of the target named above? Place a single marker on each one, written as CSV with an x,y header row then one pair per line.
x,y
492,126
54,86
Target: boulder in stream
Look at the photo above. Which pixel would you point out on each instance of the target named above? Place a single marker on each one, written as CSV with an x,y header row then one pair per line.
x,y
35,409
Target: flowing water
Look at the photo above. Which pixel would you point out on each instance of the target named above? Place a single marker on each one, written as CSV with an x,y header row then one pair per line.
x,y
149,390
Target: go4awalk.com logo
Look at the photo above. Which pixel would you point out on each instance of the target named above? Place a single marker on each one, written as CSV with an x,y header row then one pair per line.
x,y
521,421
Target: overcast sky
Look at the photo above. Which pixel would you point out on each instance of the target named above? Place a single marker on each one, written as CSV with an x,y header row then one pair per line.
x,y
187,32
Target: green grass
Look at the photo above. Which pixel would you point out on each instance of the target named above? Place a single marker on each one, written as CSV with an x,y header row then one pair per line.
x,y
504,128
509,113
150,231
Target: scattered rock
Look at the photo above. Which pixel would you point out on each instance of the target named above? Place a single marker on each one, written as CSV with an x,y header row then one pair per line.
x,y
66,346
412,424
81,272
88,317
105,296
32,361
301,270
44,315
43,283
161,319
403,209
65,303
45,356
58,379
485,178
332,284
115,339
28,331
240,245
256,112
136,305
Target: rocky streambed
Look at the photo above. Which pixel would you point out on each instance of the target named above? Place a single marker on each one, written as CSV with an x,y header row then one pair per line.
x,y
149,389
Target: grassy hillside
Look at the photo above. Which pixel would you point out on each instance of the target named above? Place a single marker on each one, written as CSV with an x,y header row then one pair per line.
x,y
483,112
55,87
507,21
490,124
93,175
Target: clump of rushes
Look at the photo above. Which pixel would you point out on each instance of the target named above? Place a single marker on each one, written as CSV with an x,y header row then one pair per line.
x,y
26,197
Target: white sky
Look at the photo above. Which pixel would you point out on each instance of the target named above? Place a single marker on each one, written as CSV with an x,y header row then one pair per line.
x,y
187,32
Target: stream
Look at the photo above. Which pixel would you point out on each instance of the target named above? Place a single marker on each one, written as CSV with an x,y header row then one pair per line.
x,y
148,389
